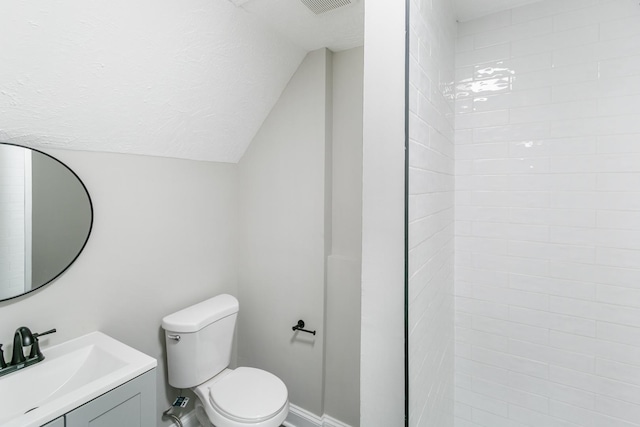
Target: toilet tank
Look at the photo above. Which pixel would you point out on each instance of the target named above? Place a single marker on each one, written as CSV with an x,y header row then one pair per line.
x,y
199,340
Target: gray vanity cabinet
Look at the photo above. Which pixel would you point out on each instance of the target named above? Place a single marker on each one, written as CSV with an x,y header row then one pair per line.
x,y
58,422
133,404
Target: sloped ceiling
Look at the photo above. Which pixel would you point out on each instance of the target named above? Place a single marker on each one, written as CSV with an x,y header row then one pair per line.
x,y
189,79
471,9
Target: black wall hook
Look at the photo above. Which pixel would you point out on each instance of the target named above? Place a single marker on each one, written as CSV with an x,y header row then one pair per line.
x,y
300,327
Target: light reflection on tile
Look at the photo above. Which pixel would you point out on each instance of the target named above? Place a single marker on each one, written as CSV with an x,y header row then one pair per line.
x,y
549,206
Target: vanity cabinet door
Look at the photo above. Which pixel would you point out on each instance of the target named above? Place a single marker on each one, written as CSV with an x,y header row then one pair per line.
x,y
133,404
55,423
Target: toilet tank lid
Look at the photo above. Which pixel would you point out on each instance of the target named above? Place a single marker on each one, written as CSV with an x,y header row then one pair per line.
x,y
196,317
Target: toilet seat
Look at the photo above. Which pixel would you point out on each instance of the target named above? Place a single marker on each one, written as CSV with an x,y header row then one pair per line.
x,y
248,395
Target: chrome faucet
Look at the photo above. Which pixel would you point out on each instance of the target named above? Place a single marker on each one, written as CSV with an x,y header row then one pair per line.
x,y
21,339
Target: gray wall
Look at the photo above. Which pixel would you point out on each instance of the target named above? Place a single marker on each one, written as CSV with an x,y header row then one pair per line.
x,y
164,238
342,350
282,237
301,190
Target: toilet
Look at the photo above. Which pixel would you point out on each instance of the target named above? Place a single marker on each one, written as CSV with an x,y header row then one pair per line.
x,y
199,340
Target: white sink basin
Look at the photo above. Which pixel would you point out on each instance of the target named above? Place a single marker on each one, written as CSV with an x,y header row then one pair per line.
x,y
72,374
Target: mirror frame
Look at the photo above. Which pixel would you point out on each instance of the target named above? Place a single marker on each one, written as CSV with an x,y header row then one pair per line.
x,y
84,244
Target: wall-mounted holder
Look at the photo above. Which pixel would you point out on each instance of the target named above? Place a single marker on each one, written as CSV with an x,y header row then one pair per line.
x,y
300,327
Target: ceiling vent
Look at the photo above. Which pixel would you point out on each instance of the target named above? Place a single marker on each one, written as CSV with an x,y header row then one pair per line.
x,y
322,6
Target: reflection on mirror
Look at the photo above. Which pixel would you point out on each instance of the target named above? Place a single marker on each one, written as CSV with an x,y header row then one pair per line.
x,y
45,219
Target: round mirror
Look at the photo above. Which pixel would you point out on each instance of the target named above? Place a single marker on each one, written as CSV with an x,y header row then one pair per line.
x,y
46,217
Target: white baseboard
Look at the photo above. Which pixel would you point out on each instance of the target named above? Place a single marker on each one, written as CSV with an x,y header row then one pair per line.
x,y
329,421
297,417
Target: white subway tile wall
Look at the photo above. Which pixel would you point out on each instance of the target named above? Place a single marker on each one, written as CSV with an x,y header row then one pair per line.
x,y
431,223
547,153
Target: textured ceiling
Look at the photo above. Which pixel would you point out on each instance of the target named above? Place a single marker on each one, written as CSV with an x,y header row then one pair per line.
x,y
190,79
471,9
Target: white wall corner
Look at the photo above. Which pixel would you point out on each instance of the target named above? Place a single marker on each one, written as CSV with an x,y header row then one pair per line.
x,y
382,340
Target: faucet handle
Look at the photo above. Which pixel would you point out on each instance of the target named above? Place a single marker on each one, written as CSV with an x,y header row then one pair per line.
x,y
35,347
39,334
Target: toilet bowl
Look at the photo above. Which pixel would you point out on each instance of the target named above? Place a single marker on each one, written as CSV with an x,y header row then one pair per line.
x,y
199,340
243,397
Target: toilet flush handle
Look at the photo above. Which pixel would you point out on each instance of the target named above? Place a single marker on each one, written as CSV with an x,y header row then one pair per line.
x,y
174,337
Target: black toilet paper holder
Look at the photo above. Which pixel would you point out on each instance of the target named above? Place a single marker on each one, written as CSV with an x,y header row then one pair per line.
x,y
300,327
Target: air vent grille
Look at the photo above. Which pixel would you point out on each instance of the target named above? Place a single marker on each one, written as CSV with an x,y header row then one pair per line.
x,y
322,6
